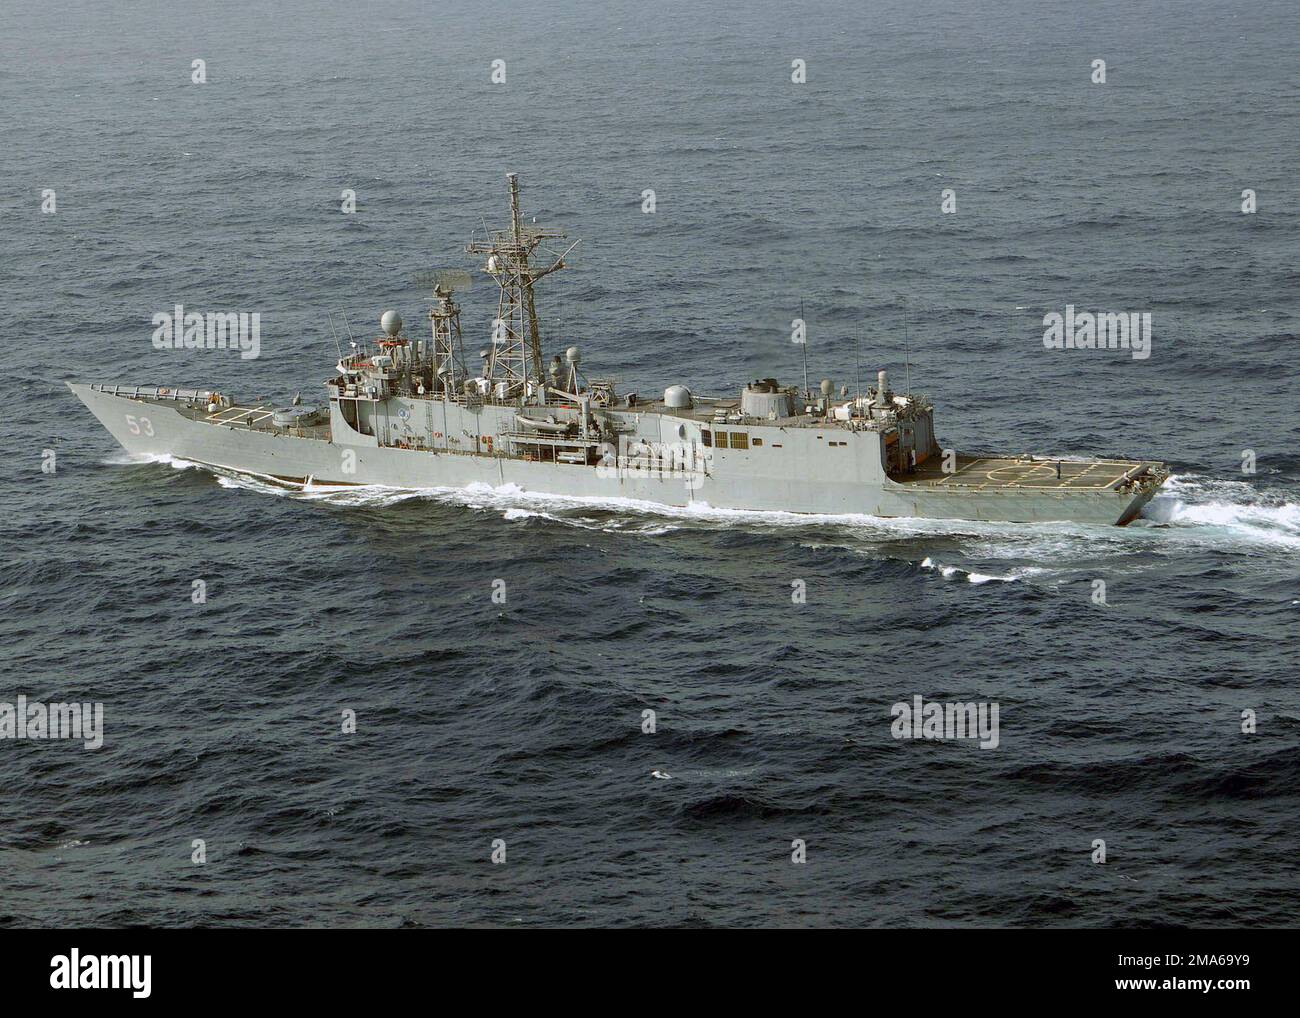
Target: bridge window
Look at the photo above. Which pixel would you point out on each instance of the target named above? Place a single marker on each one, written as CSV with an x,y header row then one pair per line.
x,y
739,440
707,438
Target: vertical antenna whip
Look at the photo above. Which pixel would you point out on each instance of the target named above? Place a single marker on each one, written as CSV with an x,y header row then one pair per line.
x,y
907,360
329,317
857,366
804,321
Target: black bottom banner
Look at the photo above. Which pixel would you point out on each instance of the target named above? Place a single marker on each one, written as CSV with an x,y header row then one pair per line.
x,y
141,967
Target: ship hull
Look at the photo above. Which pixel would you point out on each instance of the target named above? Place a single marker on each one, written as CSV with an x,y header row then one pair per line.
x,y
154,429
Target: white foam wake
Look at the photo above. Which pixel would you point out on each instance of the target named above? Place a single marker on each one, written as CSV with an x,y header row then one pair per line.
x,y
1229,510
1189,510
948,572
122,458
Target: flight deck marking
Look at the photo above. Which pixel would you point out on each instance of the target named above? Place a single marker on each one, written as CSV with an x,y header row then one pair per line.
x,y
237,415
1019,474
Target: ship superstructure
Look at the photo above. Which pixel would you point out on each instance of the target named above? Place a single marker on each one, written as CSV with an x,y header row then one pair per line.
x,y
408,412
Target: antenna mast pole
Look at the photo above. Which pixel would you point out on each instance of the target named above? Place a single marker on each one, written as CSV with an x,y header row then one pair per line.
x,y
857,364
516,351
804,322
333,332
448,353
514,204
907,359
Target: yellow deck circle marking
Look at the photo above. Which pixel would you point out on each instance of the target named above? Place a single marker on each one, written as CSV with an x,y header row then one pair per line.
x,y
1021,474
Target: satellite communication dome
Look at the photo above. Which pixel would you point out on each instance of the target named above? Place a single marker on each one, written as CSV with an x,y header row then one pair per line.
x,y
493,265
827,387
391,323
573,356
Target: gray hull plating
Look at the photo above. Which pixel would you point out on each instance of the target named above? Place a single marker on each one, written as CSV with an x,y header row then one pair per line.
x,y
791,469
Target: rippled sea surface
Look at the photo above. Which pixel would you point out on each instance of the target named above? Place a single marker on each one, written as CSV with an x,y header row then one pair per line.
x,y
522,721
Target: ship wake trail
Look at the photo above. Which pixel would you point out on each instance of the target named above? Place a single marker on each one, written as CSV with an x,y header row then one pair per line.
x,y
1231,510
971,576
1195,511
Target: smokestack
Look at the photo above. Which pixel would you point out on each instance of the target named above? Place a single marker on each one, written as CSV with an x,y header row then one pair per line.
x,y
882,387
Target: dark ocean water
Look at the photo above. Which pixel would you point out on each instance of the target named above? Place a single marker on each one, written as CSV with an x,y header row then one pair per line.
x,y
521,722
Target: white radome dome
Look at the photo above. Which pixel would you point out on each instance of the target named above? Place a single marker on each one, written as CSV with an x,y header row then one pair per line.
x,y
678,397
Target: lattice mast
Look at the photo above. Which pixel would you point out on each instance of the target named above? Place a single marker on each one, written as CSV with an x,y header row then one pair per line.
x,y
515,354
449,372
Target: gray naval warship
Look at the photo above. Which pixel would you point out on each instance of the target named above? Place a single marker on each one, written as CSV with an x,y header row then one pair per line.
x,y
405,412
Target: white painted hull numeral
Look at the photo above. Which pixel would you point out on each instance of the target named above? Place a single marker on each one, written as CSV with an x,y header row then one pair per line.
x,y
139,425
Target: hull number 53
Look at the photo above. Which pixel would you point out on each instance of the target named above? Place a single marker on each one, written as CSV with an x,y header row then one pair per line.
x,y
139,425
